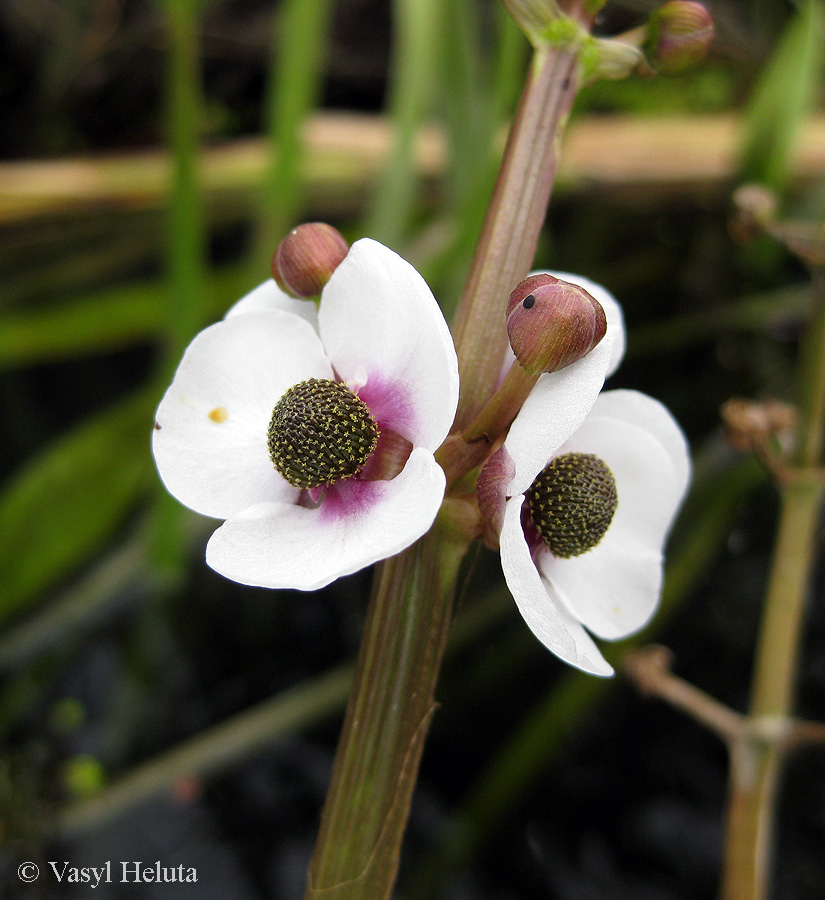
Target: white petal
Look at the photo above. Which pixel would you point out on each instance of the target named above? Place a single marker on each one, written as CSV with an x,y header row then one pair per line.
x,y
210,437
278,546
614,588
549,622
612,311
379,319
555,408
269,296
640,409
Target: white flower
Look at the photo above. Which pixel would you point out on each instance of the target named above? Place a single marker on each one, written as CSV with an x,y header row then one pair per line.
x,y
603,494
379,347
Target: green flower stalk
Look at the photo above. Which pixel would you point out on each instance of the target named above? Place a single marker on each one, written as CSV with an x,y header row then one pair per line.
x,y
511,228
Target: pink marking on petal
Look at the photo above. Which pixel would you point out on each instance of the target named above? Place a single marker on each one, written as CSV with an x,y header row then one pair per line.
x,y
390,405
350,499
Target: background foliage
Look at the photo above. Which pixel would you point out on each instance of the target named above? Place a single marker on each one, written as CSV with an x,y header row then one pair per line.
x,y
151,710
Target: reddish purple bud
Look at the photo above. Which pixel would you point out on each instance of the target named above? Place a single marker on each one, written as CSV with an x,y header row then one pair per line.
x,y
307,257
552,323
526,287
679,35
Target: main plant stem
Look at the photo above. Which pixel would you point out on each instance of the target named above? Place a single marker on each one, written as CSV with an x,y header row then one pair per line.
x,y
757,755
511,229
391,704
387,719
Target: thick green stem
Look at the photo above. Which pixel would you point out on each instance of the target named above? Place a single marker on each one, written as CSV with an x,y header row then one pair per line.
x,y
511,229
387,719
752,793
756,762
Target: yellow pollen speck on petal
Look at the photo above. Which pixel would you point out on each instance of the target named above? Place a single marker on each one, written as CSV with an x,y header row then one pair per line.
x,y
219,414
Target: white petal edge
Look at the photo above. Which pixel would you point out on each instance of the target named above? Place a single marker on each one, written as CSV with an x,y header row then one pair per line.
x,y
269,296
210,436
557,405
612,311
550,623
287,546
379,318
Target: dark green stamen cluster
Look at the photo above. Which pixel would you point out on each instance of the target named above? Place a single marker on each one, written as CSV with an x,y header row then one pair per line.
x,y
572,503
320,433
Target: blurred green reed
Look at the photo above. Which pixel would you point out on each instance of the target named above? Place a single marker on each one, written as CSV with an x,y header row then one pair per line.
x,y
296,61
185,242
84,516
418,27
786,94
186,231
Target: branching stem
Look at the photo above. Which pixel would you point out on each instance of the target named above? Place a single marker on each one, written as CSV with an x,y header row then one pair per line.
x,y
756,764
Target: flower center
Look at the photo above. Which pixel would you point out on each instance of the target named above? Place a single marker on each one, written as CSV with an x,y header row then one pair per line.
x,y
572,503
320,432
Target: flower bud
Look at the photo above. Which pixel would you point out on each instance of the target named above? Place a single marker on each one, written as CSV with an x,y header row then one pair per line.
x,y
609,58
679,34
552,323
307,257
